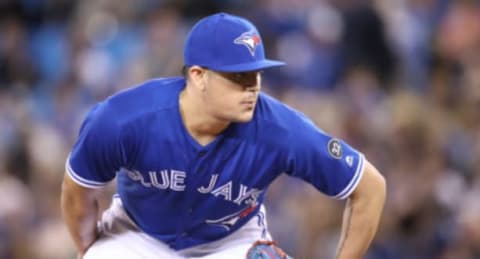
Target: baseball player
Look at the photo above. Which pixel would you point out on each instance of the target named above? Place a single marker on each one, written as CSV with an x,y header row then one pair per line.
x,y
193,157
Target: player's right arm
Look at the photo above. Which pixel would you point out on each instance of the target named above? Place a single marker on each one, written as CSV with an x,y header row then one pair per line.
x,y
341,172
95,158
79,210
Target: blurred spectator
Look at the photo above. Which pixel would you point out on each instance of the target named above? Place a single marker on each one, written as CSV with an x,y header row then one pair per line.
x,y
364,40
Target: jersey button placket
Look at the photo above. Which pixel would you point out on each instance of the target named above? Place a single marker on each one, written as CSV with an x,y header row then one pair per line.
x,y
201,167
189,211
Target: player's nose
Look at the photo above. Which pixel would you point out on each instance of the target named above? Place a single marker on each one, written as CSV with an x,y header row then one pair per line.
x,y
254,88
253,84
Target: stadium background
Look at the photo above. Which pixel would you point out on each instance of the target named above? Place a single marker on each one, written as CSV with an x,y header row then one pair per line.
x,y
397,79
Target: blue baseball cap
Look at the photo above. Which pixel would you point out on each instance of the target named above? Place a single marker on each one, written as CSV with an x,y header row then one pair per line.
x,y
226,43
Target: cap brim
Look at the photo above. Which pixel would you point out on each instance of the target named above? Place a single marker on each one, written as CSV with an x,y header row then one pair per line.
x,y
252,66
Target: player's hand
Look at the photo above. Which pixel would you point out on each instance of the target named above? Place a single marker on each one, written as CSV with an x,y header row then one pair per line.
x,y
266,250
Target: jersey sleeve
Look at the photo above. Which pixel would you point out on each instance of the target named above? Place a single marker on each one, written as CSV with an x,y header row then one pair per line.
x,y
328,163
98,153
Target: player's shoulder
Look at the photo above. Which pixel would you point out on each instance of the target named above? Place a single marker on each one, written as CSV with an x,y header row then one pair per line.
x,y
274,113
277,123
284,126
147,97
152,94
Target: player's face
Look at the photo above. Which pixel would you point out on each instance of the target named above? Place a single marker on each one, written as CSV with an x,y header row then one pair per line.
x,y
232,96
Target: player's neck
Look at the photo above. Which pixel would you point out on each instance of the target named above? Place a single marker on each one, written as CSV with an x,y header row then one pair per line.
x,y
200,124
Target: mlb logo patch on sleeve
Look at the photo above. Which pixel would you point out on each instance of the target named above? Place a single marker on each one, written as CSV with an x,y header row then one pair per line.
x,y
335,148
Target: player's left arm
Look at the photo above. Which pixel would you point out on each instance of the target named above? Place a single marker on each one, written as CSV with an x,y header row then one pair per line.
x,y
362,214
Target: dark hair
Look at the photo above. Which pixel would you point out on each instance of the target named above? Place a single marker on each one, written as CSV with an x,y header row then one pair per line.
x,y
185,70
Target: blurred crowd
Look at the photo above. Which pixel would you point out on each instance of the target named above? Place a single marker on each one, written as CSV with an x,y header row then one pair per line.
x,y
397,79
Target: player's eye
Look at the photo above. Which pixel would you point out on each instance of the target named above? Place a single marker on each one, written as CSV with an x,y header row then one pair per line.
x,y
244,78
236,77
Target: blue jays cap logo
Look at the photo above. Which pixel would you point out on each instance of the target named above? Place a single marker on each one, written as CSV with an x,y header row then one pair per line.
x,y
249,39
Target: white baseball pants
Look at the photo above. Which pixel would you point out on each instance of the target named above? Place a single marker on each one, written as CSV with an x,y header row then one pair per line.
x,y
121,238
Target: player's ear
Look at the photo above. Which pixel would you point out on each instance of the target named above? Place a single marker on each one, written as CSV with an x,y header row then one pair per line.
x,y
197,75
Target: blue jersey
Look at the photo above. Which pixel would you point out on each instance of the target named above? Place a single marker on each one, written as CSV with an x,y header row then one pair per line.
x,y
186,194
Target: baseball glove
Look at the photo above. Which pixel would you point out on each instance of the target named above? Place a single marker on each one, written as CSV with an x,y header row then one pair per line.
x,y
266,250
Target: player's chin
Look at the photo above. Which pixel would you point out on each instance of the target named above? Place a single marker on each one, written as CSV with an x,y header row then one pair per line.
x,y
245,116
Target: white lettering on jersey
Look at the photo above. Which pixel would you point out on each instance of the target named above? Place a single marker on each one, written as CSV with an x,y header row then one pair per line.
x,y
244,194
172,179
211,184
178,180
175,180
224,190
137,176
165,179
